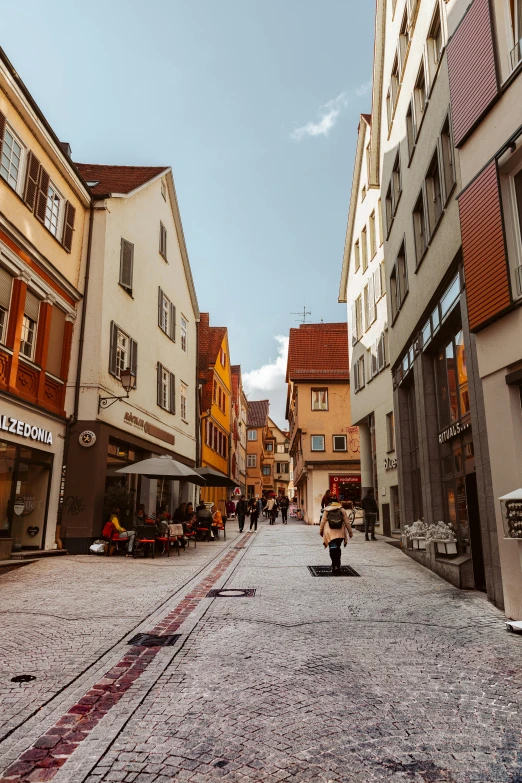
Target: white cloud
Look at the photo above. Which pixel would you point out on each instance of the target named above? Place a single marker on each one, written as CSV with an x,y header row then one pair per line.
x,y
268,382
329,113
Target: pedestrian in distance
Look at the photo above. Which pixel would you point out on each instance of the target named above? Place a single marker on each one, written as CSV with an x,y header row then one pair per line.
x,y
264,501
271,507
370,509
283,505
241,511
255,507
335,528
326,500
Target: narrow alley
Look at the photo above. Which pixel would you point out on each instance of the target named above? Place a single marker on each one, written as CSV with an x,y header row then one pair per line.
x,y
390,675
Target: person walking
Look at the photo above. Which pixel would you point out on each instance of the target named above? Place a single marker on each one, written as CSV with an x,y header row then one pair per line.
x,y
370,508
255,507
283,505
241,512
263,504
335,528
271,507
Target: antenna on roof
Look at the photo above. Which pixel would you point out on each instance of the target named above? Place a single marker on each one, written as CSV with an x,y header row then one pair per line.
x,y
303,315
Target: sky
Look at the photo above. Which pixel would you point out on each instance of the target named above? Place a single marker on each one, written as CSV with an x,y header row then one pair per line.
x,y
255,104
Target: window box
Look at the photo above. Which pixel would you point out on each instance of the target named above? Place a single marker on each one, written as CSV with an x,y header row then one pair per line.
x,y
445,547
419,543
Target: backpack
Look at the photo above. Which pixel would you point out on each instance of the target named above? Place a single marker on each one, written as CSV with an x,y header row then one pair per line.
x,y
335,518
107,530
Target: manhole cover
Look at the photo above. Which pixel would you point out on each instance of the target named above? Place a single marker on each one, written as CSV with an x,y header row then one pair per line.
x,y
23,678
231,592
150,640
327,571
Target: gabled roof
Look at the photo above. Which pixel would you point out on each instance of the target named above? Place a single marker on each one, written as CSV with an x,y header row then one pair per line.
x,y
117,179
210,340
258,413
318,352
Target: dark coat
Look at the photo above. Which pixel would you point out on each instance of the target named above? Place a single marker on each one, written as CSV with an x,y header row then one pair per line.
x,y
369,504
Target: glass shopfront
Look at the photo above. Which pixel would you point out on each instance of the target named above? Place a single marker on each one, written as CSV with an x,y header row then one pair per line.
x,y
25,475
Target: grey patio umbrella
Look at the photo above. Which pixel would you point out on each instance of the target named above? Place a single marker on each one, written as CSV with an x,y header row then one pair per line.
x,y
214,478
164,467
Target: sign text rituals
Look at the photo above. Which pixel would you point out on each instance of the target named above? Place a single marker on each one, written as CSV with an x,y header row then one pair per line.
x,y
18,427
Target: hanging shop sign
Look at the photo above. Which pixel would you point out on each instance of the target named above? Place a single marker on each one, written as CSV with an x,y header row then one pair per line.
x,y
453,430
24,430
390,463
87,438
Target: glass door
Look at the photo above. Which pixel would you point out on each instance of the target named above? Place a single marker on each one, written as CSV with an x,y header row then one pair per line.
x,y
7,462
29,506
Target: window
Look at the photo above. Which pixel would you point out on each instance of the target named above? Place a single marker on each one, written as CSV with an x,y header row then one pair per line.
x,y
389,209
404,41
358,317
410,130
339,442
373,243
11,161
357,256
166,389
379,218
251,460
363,192
419,229
166,315
366,308
319,399
53,210
358,372
435,44
126,265
183,329
516,31
394,90
267,470
452,382
433,193
30,321
252,435
223,358
280,449
364,247
448,164
317,442
382,270
399,282
282,467
420,97
381,351
517,183
389,109
183,400
123,352
377,292
390,432
269,447
164,189
6,285
396,183
163,241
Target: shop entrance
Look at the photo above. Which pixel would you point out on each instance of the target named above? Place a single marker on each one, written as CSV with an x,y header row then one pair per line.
x,y
24,494
346,488
475,536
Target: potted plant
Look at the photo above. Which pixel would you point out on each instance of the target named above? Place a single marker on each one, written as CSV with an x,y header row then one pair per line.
x,y
443,536
417,534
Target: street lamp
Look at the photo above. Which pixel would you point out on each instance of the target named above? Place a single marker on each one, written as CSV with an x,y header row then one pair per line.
x,y
128,381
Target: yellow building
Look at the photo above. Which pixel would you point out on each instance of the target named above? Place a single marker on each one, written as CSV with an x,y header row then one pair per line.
x,y
215,383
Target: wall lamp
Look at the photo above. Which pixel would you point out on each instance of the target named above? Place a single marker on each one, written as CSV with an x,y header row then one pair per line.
x,y
128,381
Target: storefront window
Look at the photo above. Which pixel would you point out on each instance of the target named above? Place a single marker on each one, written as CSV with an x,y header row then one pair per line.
x,y
452,382
7,462
462,373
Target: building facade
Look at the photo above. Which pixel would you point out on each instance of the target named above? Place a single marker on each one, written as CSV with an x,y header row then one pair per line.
x,y
363,288
140,313
486,108
257,430
44,211
441,438
239,427
324,446
215,381
281,459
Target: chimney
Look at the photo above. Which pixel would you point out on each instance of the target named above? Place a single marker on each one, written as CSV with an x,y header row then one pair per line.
x,y
204,319
66,148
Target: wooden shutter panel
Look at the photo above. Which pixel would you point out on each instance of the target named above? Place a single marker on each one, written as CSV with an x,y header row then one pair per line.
x,y
126,264
2,130
6,284
134,358
32,306
68,226
172,324
160,303
32,179
42,195
158,385
172,379
113,348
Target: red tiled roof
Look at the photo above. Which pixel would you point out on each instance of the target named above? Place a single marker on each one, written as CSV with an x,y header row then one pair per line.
x,y
210,339
257,413
117,179
318,352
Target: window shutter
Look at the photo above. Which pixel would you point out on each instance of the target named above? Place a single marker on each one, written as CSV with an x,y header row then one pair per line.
x,y
172,379
371,301
68,226
377,284
126,264
134,358
32,305
6,284
354,325
158,385
43,191
356,376
113,348
2,130
172,324
32,178
160,303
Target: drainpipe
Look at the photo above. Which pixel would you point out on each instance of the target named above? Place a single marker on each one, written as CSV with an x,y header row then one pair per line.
x,y
74,418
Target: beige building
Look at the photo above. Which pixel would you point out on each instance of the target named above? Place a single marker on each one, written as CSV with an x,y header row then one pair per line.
x,y
281,463
141,315
324,446
44,217
486,105
239,429
363,288
257,431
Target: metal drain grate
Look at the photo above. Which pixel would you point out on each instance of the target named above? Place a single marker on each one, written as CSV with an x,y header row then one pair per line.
x,y
150,640
327,571
232,592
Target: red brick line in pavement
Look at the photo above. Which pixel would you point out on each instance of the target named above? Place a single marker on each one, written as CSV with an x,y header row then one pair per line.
x,y
50,751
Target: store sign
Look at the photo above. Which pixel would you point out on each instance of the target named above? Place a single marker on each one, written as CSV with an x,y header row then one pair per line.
x,y
336,481
453,430
148,428
390,463
18,427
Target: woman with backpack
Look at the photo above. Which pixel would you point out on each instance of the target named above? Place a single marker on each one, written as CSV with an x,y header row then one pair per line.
x,y
335,528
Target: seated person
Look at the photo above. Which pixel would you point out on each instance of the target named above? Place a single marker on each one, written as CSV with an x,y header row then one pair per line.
x,y
123,534
179,514
217,521
204,521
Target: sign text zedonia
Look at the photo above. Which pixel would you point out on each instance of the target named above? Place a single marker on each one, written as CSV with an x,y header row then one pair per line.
x,y
18,427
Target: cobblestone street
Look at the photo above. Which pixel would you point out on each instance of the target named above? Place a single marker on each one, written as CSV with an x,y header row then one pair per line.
x,y
394,675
